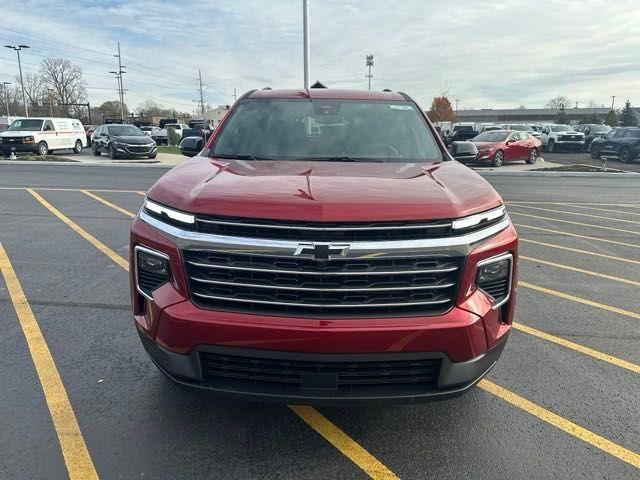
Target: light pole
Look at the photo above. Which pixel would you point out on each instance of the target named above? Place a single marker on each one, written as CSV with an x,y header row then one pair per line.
x,y
50,102
17,48
120,83
457,100
6,94
305,35
369,63
613,101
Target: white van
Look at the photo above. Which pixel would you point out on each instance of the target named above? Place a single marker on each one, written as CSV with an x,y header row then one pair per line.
x,y
42,135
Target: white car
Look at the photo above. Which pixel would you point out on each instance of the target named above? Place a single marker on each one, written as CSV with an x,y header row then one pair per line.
x,y
522,127
42,135
557,137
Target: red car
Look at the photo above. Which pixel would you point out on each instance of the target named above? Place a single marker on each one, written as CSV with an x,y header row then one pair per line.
x,y
499,146
323,248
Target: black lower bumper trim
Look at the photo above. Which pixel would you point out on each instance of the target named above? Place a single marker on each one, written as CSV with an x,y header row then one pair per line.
x,y
455,378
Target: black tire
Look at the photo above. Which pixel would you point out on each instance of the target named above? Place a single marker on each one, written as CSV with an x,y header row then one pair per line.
x,y
96,152
551,146
498,158
112,152
153,156
43,149
625,156
533,156
77,148
595,152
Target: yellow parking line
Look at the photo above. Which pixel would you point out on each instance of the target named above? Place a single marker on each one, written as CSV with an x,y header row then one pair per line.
x,y
81,231
60,189
345,444
577,250
612,219
591,225
631,205
563,424
108,203
74,450
581,270
140,192
624,212
581,300
605,357
577,235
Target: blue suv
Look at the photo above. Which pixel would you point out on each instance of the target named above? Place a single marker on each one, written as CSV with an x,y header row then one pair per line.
x,y
623,142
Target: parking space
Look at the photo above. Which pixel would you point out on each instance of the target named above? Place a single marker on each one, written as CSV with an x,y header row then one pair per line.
x,y
562,402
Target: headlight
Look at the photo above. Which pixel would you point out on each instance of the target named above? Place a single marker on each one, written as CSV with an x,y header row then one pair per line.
x,y
152,270
161,211
493,277
29,139
479,218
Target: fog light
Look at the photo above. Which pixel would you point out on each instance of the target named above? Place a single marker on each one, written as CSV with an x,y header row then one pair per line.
x,y
152,270
493,277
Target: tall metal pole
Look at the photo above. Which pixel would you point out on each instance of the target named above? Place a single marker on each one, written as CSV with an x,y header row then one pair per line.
x,y
369,63
305,34
50,103
613,101
6,94
204,120
120,83
457,100
24,97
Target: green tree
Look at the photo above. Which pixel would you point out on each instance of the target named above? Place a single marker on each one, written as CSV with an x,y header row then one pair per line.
x,y
562,117
612,118
627,116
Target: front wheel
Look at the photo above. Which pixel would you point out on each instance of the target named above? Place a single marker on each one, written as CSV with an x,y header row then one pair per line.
x,y
498,158
624,155
43,149
533,156
552,146
595,152
77,148
153,155
112,152
94,149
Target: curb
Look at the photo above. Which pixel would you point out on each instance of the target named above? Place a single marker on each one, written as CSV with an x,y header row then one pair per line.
x,y
80,164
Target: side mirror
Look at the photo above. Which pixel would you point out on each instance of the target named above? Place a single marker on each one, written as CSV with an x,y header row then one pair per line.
x,y
511,140
464,151
191,146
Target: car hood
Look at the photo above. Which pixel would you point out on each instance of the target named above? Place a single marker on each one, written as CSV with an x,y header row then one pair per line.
x,y
18,133
484,145
325,191
133,140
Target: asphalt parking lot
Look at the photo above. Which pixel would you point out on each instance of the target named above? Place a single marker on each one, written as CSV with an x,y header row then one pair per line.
x,y
79,398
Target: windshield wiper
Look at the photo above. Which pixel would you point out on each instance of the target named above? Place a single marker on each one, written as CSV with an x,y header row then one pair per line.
x,y
241,157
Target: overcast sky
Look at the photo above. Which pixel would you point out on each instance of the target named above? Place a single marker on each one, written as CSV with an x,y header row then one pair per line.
x,y
488,54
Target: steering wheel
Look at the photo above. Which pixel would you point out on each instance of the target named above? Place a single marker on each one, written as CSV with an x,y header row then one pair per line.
x,y
386,148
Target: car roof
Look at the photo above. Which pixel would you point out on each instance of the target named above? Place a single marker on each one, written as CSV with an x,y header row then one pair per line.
x,y
328,93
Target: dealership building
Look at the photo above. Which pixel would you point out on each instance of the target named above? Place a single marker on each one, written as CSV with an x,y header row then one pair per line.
x,y
525,115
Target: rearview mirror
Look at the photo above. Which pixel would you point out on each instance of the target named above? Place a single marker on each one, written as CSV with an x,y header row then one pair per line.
x,y
462,151
191,146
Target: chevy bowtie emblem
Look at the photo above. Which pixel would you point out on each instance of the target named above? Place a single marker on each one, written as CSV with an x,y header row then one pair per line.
x,y
321,250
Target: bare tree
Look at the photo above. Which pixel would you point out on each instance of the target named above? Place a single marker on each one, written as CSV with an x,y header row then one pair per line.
x,y
65,80
33,88
148,108
558,103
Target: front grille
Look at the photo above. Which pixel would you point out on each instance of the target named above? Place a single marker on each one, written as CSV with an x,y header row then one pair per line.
x,y
138,149
424,285
322,231
570,138
250,372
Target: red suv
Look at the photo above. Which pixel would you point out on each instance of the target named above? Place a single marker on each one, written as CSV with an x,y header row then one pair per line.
x,y
323,247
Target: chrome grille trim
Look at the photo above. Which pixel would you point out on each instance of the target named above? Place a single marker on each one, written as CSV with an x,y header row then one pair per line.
x,y
304,289
302,272
222,243
327,229
327,305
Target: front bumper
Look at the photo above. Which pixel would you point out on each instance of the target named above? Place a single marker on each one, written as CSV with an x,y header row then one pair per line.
x,y
454,378
575,145
18,148
135,151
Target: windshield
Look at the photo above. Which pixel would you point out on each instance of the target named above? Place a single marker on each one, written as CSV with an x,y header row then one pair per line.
x,y
124,130
599,128
561,128
300,129
26,125
491,137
